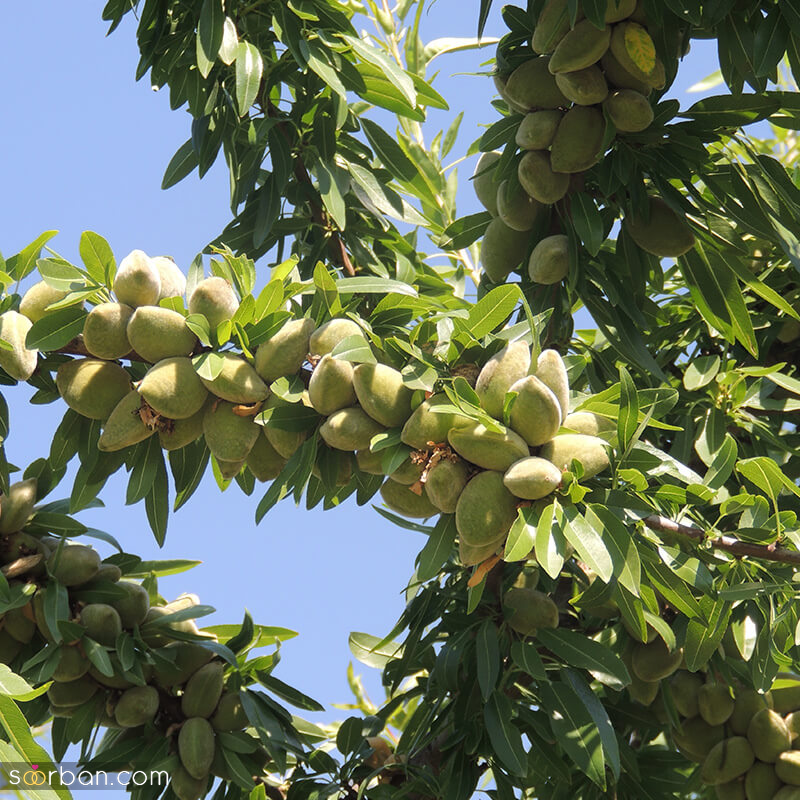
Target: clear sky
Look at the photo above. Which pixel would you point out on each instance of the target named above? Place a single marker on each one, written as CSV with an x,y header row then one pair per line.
x,y
84,147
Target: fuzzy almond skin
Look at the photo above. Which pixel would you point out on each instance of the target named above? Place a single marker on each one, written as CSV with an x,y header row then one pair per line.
x,y
538,179
102,623
532,86
91,387
502,250
16,506
382,394
73,693
137,282
229,437
445,481
483,182
664,234
485,510
73,564
549,261
532,478
215,299
528,609
285,352
654,662
580,48
768,735
105,331
35,301
728,760
469,554
264,461
196,746
552,372
136,706
589,450
349,429
496,376
425,425
516,208
173,281
230,714
183,431
588,422
124,426
535,414
237,382
156,333
331,386
578,143
187,787
488,449
401,499
173,388
19,362
203,690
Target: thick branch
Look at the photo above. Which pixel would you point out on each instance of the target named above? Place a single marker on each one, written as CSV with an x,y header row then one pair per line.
x,y
768,552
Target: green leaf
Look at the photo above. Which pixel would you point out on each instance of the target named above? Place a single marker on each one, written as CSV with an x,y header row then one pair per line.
x,y
13,685
577,650
437,549
156,502
522,536
354,349
503,734
378,89
628,419
767,476
703,637
230,41
371,650
180,165
97,257
588,222
56,329
550,546
249,69
700,372
492,310
500,133
600,716
23,747
620,543
388,151
487,654
575,730
23,263
289,693
401,80
330,193
464,231
209,34
527,658
588,542
374,285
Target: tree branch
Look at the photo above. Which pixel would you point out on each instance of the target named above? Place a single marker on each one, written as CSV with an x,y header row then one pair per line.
x,y
765,552
320,216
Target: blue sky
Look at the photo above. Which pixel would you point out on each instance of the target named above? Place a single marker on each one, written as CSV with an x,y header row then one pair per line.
x,y
84,147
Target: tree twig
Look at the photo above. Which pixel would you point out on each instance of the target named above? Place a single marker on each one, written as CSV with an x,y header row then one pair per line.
x,y
765,552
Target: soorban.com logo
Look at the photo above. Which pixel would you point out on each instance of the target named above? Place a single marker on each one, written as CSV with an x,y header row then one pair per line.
x,y
34,778
72,777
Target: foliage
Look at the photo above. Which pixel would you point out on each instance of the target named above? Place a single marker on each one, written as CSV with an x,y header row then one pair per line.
x,y
691,536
